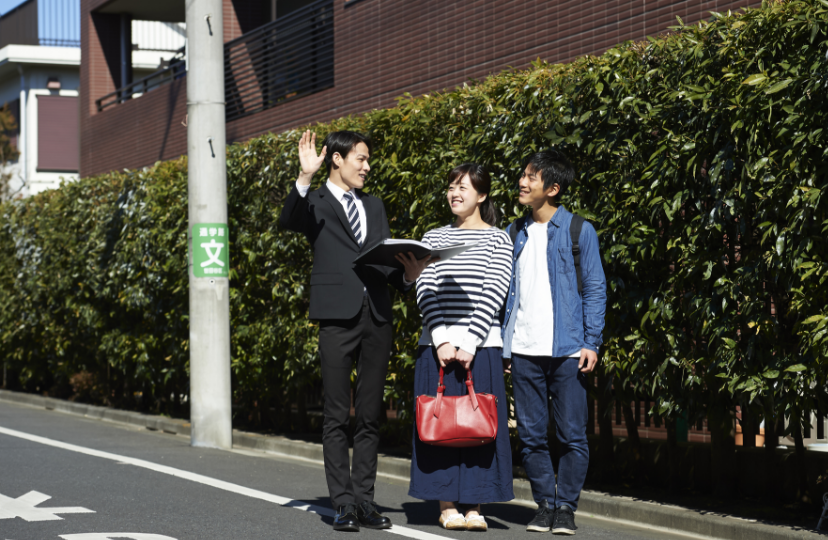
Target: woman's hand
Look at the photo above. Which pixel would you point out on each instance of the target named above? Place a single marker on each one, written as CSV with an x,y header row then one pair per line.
x,y
446,354
308,159
414,267
465,359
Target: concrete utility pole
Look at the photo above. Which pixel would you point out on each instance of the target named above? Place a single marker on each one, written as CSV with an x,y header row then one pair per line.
x,y
210,412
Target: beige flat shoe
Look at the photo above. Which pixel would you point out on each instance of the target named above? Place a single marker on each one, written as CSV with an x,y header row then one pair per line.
x,y
476,523
455,522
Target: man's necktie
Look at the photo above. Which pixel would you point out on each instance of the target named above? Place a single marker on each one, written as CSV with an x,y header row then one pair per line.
x,y
353,216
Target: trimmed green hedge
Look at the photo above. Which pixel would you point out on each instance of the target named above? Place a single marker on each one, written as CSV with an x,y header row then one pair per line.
x,y
701,158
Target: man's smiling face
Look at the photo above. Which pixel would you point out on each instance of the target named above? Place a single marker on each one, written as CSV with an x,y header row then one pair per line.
x,y
532,192
353,169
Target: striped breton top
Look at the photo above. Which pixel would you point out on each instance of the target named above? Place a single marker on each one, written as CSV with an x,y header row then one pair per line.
x,y
461,298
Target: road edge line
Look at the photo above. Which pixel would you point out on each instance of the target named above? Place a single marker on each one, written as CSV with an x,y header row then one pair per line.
x,y
597,504
238,489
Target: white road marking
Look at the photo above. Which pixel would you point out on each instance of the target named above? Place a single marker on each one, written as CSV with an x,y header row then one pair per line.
x,y
25,507
206,480
113,536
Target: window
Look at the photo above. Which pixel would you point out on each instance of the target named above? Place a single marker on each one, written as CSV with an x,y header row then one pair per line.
x,y
58,134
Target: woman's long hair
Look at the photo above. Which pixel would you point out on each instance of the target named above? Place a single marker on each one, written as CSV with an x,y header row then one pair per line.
x,y
482,184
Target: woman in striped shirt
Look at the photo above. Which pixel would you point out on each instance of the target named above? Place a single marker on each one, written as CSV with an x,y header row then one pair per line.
x,y
460,300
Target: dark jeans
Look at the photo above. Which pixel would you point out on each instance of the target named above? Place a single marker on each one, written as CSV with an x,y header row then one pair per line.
x,y
534,378
342,343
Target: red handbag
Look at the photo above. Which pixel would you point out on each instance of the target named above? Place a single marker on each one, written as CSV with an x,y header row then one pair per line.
x,y
457,421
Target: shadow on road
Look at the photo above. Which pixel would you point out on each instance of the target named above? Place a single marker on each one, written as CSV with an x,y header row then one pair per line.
x,y
426,513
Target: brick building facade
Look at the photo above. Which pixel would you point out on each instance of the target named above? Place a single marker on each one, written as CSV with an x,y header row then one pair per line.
x,y
382,49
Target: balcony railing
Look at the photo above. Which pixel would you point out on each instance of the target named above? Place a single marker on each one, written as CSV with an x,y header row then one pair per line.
x,y
59,23
54,23
176,70
288,58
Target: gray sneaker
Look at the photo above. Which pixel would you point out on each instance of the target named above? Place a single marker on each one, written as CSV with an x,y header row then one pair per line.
x,y
543,519
564,521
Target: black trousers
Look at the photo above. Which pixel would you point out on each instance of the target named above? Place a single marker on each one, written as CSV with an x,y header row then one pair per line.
x,y
367,342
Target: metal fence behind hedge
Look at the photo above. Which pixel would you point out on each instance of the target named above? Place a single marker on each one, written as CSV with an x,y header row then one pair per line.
x,y
287,58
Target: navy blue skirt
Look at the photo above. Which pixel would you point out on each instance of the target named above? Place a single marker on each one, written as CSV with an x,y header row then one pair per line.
x,y
480,474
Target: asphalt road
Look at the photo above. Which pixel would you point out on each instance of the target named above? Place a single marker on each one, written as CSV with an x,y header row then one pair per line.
x,y
67,477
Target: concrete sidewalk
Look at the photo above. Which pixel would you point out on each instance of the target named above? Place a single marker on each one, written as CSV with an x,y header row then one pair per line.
x,y
620,509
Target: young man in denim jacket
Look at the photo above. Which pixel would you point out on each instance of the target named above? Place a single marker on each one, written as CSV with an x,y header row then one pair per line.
x,y
551,336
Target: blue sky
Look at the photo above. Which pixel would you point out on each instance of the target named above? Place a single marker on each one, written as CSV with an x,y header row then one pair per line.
x,y
8,5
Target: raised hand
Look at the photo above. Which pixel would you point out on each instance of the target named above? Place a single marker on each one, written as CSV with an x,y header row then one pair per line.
x,y
308,160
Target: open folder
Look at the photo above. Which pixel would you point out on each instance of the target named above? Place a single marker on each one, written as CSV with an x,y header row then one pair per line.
x,y
384,252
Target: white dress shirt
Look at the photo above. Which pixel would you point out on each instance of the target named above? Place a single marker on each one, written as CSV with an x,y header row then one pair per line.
x,y
339,193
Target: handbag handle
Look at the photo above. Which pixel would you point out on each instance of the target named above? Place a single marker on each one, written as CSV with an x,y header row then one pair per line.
x,y
441,388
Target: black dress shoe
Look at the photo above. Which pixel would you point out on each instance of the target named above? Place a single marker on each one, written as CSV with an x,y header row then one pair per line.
x,y
370,517
346,519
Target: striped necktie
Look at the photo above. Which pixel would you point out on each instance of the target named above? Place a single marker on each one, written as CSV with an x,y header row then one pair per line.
x,y
353,216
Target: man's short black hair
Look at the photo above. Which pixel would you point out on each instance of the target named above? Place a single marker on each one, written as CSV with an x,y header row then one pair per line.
x,y
342,142
554,168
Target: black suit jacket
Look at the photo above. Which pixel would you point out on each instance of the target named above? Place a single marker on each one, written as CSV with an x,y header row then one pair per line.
x,y
336,284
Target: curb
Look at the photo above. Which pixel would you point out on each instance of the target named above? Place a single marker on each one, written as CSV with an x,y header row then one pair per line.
x,y
592,503
155,423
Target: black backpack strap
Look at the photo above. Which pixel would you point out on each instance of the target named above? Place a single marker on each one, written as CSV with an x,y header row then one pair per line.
x,y
575,233
513,230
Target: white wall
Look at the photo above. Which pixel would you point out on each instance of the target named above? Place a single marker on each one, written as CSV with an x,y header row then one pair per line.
x,y
36,77
156,41
158,36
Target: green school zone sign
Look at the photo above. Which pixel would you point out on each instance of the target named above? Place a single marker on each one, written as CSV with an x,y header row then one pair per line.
x,y
210,248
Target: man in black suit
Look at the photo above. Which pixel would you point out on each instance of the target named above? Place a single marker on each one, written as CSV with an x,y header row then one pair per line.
x,y
353,304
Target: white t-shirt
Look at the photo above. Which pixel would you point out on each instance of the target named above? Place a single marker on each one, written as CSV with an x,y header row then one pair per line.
x,y
535,322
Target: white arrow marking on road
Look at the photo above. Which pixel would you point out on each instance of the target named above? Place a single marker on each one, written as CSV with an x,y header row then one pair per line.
x,y
25,507
206,480
113,536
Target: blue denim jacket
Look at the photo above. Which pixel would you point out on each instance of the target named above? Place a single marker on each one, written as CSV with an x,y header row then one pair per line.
x,y
578,320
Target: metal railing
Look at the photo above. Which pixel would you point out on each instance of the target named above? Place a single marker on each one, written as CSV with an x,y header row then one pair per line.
x,y
176,70
54,23
59,23
290,57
